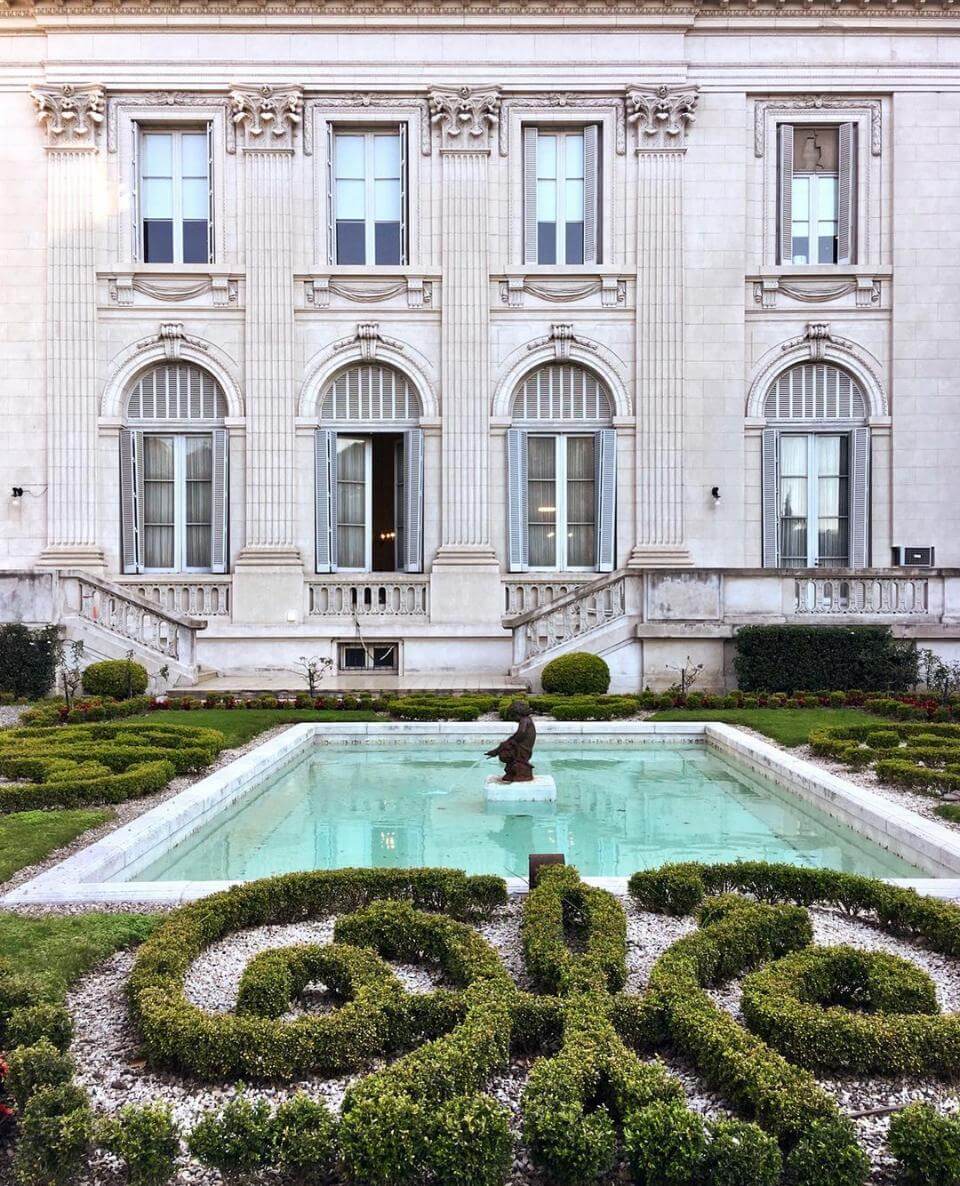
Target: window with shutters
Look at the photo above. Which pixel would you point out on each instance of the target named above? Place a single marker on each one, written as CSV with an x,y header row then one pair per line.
x,y
173,471
817,186
561,192
815,470
368,196
369,473
561,472
175,225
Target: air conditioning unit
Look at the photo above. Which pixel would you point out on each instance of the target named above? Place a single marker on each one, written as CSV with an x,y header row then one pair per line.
x,y
913,557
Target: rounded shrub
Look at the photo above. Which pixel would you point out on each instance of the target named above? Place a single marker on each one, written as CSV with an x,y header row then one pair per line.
x,y
666,1144
56,1130
235,1140
741,1154
31,1023
146,1139
576,674
303,1138
118,678
927,1146
31,1068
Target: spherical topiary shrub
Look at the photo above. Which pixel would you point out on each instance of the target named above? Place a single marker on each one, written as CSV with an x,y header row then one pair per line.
x,y
576,674
119,678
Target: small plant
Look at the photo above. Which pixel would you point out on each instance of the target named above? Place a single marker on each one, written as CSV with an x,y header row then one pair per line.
x,y
314,668
303,1132
56,1130
120,678
576,674
689,673
31,1068
28,660
939,676
146,1139
71,674
927,1146
235,1140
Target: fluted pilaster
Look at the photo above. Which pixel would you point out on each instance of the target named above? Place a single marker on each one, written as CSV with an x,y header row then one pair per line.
x,y
662,118
465,118
269,119
71,117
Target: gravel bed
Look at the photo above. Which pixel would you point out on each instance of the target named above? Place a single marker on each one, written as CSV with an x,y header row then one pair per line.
x,y
10,714
110,1067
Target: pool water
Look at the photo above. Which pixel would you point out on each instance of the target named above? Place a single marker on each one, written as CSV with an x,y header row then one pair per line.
x,y
618,809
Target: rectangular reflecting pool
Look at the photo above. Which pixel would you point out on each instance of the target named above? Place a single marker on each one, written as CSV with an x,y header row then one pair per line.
x,y
618,809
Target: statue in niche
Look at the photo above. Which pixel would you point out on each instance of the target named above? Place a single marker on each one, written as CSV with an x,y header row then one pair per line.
x,y
515,753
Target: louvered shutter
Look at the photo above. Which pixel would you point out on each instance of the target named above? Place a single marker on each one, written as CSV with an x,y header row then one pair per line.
x,y
785,187
847,195
331,206
860,498
413,500
220,502
529,195
605,453
210,255
136,240
326,499
404,198
517,500
131,498
591,194
771,520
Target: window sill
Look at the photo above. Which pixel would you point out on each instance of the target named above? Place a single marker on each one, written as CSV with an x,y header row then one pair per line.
x,y
159,285
797,285
555,284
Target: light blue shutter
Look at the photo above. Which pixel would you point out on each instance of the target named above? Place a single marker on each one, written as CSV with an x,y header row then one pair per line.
x,y
529,195
404,198
326,499
605,455
413,500
591,194
770,447
517,500
131,498
847,194
219,498
331,207
785,189
210,255
136,242
860,498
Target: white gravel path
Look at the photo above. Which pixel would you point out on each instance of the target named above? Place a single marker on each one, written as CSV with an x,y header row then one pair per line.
x,y
111,1069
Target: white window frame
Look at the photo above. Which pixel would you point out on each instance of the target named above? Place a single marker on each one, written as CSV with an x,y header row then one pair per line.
x,y
369,132
560,135
560,440
367,443
812,478
180,500
368,656
815,203
177,132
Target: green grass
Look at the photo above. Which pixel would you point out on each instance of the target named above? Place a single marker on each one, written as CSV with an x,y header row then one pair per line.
x,y
28,836
948,811
239,725
789,726
58,949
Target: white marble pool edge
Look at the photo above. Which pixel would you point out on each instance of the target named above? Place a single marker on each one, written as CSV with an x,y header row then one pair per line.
x,y
95,874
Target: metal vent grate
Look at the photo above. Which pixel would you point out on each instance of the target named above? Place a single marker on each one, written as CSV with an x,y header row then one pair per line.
x,y
815,391
370,392
562,391
176,391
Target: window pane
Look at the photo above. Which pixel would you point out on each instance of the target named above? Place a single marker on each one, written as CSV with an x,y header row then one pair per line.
x,y
581,502
387,242
542,546
793,543
196,242
199,454
157,547
351,503
546,242
546,156
158,241
193,154
829,454
351,243
194,197
351,201
580,459
793,497
386,156
542,501
158,502
574,154
546,201
349,156
386,201
541,457
157,154
158,458
800,202
793,456
574,242
198,467
573,201
158,198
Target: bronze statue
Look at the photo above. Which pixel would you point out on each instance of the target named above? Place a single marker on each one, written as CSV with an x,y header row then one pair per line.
x,y
515,753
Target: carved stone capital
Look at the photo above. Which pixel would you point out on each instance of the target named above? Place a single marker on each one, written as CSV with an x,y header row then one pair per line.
x,y
465,116
268,115
663,116
72,115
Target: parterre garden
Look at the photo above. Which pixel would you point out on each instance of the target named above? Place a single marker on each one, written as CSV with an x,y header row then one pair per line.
x,y
600,1048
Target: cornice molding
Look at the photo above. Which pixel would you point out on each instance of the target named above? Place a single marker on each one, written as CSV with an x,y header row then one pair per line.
x,y
575,100
465,116
817,103
71,115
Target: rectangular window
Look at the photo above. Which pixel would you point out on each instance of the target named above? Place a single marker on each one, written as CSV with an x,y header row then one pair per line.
x,y
561,502
560,197
353,503
379,656
813,501
369,197
817,186
175,196
177,503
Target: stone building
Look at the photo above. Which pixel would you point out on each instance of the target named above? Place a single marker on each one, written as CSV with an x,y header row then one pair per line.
x,y
443,338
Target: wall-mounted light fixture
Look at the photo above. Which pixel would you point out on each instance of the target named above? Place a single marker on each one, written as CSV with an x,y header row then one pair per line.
x,y
16,492
715,491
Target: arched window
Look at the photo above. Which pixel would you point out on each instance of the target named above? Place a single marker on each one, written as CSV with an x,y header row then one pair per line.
x,y
561,472
173,472
369,472
815,470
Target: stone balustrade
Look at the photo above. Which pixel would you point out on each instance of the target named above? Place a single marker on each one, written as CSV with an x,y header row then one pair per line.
x,y
197,597
361,596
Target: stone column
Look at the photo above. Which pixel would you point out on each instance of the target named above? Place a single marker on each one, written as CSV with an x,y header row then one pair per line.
x,y
662,118
72,117
268,582
465,579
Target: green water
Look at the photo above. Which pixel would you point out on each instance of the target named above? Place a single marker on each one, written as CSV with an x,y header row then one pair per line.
x,y
618,809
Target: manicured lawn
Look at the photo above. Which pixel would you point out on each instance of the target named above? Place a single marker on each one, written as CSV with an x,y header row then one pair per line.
x,y
59,948
789,726
28,836
238,725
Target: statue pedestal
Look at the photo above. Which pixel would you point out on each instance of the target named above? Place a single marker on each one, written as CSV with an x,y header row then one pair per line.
x,y
540,789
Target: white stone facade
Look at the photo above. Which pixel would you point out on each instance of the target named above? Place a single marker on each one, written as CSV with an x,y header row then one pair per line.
x,y
685,314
